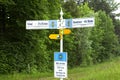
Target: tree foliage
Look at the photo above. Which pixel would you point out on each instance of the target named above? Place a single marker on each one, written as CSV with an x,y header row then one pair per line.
x,y
30,51
105,42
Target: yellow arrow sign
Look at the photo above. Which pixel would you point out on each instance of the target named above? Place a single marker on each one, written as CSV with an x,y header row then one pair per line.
x,y
54,36
65,31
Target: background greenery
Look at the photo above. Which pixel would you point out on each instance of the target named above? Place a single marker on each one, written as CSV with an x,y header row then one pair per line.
x,y
106,71
31,51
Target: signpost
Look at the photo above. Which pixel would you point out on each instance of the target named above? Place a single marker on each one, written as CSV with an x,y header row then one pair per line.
x,y
61,35
60,58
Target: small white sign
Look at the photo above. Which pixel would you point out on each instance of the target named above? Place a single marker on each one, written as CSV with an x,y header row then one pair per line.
x,y
37,24
83,22
61,24
60,69
60,65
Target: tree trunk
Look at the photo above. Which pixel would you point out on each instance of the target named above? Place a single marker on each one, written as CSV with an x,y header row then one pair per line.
x,y
2,18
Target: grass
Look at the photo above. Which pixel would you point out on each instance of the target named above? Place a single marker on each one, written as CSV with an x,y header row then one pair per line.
x,y
104,71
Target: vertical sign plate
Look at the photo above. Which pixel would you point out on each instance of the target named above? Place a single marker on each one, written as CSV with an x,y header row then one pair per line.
x,y
68,23
53,24
60,64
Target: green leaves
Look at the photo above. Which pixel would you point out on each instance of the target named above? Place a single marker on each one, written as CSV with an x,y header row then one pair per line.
x,y
32,51
104,39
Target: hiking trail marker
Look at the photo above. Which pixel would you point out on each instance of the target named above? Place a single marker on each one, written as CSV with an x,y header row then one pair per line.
x,y
54,36
60,58
60,64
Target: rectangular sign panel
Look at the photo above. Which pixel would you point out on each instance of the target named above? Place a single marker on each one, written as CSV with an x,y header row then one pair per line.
x,y
83,22
37,24
68,23
57,24
60,56
53,24
60,64
42,24
61,24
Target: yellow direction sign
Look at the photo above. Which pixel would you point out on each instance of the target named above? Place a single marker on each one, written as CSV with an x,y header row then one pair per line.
x,y
54,36
65,31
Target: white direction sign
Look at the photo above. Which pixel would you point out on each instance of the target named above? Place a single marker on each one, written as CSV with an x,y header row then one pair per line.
x,y
42,24
60,64
82,22
79,22
37,24
57,24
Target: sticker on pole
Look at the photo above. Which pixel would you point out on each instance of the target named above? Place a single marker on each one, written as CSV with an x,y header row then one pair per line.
x,y
60,64
53,24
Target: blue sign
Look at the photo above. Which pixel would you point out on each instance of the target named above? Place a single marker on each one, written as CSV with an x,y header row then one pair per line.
x,y
53,24
60,56
68,23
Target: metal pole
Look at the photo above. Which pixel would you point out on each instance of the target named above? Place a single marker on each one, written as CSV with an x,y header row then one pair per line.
x,y
61,48
61,43
61,33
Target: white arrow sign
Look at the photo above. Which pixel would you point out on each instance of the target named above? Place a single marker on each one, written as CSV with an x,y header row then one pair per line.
x,y
56,24
37,24
83,22
79,22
